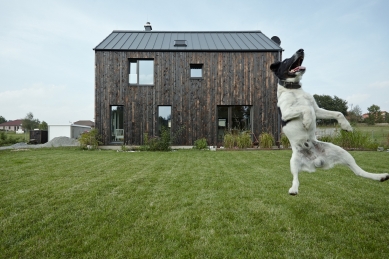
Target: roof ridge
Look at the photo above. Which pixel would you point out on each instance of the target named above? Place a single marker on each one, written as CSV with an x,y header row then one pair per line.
x,y
245,41
258,31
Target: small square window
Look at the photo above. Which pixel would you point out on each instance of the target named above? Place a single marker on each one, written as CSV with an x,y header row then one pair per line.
x,y
196,70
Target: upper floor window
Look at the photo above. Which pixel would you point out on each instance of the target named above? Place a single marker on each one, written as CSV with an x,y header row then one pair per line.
x,y
141,72
196,71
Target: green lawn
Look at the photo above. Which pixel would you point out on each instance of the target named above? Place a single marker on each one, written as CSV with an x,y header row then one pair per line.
x,y
377,133
68,203
8,138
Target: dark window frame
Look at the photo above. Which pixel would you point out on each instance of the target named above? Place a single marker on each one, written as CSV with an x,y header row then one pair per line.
x,y
168,120
119,122
136,60
195,67
226,123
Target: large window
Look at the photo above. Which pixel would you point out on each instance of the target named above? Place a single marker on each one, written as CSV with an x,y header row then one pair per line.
x,y
141,72
233,118
164,117
117,129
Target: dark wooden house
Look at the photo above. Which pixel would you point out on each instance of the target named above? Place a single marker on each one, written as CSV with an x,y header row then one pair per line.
x,y
201,83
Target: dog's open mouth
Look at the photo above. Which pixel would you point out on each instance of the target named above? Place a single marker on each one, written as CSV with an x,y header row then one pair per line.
x,y
297,66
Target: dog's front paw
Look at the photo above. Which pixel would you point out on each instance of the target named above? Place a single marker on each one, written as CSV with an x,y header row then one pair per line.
x,y
307,122
345,125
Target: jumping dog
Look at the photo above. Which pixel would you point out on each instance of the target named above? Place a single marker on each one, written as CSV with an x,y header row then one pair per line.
x,y
299,112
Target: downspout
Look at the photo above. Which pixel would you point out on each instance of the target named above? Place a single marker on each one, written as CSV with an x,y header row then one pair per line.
x,y
278,114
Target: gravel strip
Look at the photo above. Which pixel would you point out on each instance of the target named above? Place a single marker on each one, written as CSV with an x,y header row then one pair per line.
x,y
55,142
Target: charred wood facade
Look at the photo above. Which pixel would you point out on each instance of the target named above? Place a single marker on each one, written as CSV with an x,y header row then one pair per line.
x,y
229,78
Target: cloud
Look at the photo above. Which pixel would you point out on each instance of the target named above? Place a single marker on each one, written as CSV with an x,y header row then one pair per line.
x,y
357,98
55,104
380,85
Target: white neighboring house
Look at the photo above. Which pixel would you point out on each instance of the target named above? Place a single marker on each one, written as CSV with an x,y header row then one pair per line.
x,y
70,131
11,125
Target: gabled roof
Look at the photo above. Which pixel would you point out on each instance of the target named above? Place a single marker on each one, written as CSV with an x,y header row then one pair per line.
x,y
12,123
85,123
194,40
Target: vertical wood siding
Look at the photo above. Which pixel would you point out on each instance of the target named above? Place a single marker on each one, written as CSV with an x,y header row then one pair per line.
x,y
229,78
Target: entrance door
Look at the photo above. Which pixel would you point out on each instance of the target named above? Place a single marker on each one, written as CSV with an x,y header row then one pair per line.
x,y
117,129
235,118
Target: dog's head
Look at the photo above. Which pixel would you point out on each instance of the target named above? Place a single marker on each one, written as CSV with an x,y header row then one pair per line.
x,y
290,70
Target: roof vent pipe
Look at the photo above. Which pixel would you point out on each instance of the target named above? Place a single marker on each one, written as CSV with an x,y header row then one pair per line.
x,y
148,26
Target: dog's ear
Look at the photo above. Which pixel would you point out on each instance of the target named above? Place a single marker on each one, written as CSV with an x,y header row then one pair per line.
x,y
274,67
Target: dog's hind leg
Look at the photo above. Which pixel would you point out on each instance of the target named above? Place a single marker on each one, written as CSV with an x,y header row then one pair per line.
x,y
360,172
341,156
294,169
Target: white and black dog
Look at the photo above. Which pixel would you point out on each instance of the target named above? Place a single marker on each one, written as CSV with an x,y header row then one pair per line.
x,y
299,112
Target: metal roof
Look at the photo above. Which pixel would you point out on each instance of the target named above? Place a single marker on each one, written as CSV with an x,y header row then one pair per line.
x,y
195,40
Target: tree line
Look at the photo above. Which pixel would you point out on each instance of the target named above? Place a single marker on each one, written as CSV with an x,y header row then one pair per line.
x,y
354,114
30,123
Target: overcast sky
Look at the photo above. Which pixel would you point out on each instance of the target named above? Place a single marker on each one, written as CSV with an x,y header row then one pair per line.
x,y
47,57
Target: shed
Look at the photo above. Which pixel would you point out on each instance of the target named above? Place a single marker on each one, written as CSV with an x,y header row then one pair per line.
x,y
70,131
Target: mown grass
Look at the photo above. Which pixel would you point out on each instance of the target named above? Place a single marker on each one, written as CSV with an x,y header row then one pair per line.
x,y
67,203
379,134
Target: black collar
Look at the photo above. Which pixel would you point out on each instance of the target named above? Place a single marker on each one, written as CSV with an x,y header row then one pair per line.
x,y
289,85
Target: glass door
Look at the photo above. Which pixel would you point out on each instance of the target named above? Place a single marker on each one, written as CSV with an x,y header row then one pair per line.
x,y
117,129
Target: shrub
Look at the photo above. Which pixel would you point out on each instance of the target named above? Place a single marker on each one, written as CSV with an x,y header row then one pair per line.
x,y
266,140
326,138
229,140
89,138
237,139
157,143
3,136
285,141
162,143
200,144
243,140
9,139
356,139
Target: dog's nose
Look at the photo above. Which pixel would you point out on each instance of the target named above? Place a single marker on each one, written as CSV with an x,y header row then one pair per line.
x,y
300,51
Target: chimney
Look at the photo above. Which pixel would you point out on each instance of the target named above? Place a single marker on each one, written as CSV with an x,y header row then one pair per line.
x,y
148,26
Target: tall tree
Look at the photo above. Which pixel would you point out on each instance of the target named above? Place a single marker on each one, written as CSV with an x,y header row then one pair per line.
x,y
29,123
2,119
43,126
354,114
375,115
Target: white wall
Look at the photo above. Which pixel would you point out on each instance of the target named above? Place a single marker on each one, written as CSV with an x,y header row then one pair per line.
x,y
70,131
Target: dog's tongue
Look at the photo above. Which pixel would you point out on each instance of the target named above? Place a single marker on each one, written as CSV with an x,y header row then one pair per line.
x,y
296,69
